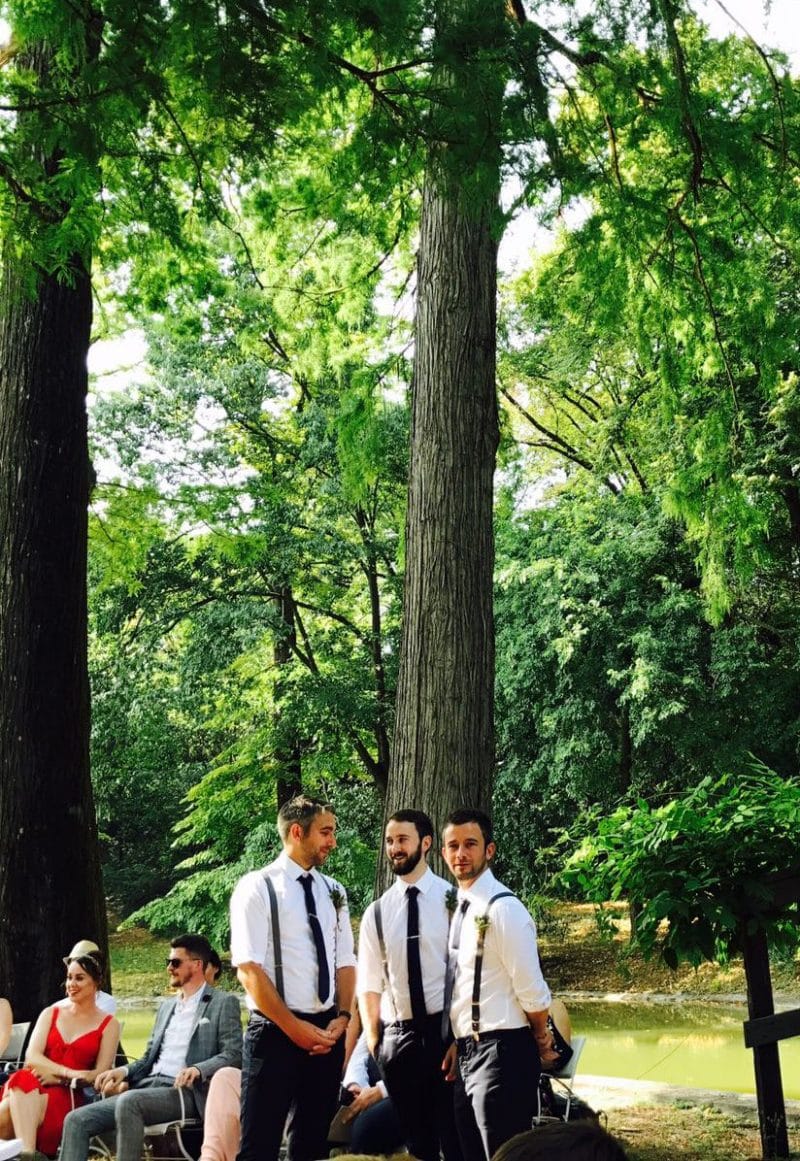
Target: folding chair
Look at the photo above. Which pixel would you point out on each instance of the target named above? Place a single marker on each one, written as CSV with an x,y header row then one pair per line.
x,y
174,1130
564,1079
15,1049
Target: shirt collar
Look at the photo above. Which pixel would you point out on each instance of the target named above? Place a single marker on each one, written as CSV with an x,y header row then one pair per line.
x,y
423,883
482,889
293,869
193,1000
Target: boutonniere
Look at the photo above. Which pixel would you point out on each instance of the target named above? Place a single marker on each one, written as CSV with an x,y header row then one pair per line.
x,y
482,924
337,899
451,900
204,1020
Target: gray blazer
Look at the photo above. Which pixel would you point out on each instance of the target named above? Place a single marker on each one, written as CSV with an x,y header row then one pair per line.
x,y
215,1041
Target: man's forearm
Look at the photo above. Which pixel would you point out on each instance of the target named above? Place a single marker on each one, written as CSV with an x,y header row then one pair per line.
x,y
264,995
369,1004
538,1022
345,988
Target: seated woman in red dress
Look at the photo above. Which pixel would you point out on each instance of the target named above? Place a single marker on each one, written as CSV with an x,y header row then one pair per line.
x,y
68,1048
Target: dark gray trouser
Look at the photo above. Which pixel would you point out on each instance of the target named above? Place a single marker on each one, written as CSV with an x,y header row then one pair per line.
x,y
154,1100
496,1090
278,1078
410,1058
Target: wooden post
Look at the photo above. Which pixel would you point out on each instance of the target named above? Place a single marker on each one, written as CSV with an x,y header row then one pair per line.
x,y
769,1087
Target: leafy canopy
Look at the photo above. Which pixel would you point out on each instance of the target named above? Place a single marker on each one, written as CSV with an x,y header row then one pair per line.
x,y
698,867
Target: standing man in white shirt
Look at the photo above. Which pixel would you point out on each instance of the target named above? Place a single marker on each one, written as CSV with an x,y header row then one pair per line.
x,y
401,975
292,943
497,997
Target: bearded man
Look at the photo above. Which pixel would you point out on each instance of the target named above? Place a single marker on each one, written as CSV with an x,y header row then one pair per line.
x,y
401,979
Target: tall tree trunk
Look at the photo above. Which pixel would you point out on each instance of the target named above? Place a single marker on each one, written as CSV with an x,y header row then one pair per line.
x,y
50,881
443,743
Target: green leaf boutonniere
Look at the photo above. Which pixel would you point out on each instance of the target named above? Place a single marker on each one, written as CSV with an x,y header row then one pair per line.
x,y
451,900
482,924
337,899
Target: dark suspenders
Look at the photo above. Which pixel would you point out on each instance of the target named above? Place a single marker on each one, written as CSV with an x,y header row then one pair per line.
x,y
384,958
275,925
482,922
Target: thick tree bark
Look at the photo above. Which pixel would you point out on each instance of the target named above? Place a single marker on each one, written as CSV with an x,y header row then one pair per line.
x,y
50,885
443,744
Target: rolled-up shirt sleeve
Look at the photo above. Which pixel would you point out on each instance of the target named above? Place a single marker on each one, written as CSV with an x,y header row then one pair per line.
x,y
370,966
345,944
250,922
519,952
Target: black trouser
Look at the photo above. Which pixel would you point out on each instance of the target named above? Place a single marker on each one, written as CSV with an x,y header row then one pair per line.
x,y
410,1059
279,1080
497,1081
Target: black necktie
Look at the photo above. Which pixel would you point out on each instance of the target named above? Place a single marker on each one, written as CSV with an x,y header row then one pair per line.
x,y
452,964
415,988
324,979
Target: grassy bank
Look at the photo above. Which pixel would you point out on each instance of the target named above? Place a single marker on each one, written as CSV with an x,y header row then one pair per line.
x,y
669,1133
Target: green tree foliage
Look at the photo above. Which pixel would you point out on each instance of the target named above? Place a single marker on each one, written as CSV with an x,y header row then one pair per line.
x,y
657,346
122,125
260,578
650,375
263,464
610,677
699,866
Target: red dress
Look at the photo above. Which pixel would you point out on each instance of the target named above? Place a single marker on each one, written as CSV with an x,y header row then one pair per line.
x,y
80,1053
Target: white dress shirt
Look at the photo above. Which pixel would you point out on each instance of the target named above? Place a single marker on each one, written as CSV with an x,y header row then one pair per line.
x,y
175,1043
434,919
511,981
251,931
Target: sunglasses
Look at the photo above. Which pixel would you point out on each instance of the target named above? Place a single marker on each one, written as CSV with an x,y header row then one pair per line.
x,y
174,963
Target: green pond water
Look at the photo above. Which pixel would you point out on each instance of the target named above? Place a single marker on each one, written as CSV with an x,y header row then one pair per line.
x,y
693,1044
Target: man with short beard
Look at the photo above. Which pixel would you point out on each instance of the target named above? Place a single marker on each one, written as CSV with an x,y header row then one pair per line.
x,y
292,945
401,976
496,997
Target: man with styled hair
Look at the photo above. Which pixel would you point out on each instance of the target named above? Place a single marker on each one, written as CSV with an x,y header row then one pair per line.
x,y
401,976
196,1032
292,944
495,994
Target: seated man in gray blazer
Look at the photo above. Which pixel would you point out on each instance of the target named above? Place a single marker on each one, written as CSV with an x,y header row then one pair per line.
x,y
195,1033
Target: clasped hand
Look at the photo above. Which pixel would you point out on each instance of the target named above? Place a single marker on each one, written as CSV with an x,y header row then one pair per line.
x,y
316,1041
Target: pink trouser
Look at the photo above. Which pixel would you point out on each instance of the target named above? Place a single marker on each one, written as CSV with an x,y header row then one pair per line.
x,y
221,1126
